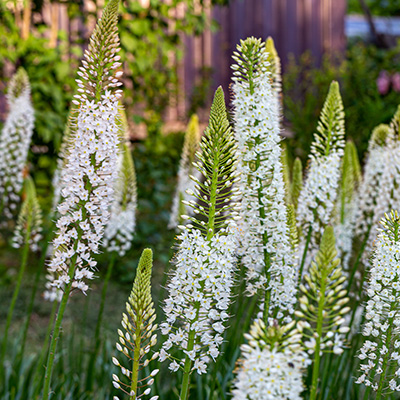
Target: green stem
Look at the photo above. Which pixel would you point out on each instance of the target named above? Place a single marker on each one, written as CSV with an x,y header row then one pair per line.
x,y
303,258
56,332
32,299
360,254
267,257
89,382
210,233
43,353
187,368
25,253
320,321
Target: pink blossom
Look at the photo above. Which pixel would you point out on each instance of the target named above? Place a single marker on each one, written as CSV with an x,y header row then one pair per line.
x,y
383,82
396,82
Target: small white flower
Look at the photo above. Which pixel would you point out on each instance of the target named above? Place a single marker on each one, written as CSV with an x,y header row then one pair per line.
x,y
15,139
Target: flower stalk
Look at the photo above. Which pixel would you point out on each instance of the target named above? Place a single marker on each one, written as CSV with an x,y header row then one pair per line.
x,y
91,170
199,288
322,306
265,247
27,234
318,196
136,342
15,140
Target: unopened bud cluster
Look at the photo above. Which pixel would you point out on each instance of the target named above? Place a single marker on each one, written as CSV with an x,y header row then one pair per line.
x,y
29,220
186,184
138,335
15,140
323,302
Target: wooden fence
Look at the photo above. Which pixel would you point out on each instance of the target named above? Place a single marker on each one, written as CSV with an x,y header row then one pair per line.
x,y
295,25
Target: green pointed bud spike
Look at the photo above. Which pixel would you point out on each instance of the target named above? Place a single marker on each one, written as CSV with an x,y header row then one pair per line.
x,y
297,181
351,175
182,209
145,265
324,303
127,178
218,115
292,225
275,64
395,123
192,138
102,48
29,187
379,136
139,308
327,250
219,165
29,223
286,174
123,131
355,162
330,129
19,84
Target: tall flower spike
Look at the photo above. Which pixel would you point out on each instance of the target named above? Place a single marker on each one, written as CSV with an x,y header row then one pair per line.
x,y
200,286
380,352
297,181
90,171
322,305
29,215
137,337
275,65
186,169
272,364
318,196
369,188
388,197
265,245
121,226
286,176
27,235
345,213
91,164
66,145
15,140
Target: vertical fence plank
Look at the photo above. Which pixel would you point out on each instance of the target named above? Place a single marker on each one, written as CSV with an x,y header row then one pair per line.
x,y
295,25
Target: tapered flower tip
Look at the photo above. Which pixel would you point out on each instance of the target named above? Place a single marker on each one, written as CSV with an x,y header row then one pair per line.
x,y
391,225
334,88
218,108
194,120
146,260
29,186
192,135
219,98
270,46
19,84
327,242
112,7
249,44
379,135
